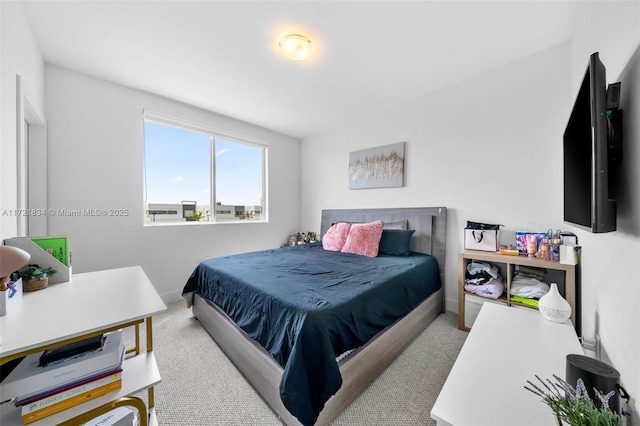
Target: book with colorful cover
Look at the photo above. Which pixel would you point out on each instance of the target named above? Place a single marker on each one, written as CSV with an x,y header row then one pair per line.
x,y
54,408
29,378
28,399
69,393
58,247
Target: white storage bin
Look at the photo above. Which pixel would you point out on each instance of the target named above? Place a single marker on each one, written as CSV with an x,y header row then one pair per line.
x,y
472,305
120,416
10,297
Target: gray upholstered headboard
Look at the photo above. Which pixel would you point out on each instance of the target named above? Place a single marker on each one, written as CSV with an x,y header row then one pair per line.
x,y
430,224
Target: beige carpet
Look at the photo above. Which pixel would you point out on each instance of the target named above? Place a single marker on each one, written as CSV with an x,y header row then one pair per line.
x,y
200,386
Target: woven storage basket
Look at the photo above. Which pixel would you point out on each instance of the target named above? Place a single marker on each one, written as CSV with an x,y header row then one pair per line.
x,y
35,284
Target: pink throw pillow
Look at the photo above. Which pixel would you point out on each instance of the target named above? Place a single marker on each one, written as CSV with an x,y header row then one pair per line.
x,y
336,236
364,239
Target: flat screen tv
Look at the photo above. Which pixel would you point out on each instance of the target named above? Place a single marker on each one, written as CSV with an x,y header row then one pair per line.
x,y
591,151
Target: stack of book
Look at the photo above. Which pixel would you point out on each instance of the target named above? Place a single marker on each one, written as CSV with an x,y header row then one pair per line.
x,y
48,382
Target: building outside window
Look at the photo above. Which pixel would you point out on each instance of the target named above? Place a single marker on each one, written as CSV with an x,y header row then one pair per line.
x,y
193,173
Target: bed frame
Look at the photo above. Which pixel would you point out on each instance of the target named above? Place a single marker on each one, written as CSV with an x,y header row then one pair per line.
x,y
362,366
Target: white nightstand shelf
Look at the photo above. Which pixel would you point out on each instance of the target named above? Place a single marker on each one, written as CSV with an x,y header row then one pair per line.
x,y
565,275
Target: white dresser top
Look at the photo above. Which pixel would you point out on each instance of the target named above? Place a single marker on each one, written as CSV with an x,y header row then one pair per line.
x,y
87,302
506,347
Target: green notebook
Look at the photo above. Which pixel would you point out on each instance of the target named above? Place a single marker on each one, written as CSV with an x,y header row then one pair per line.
x,y
58,247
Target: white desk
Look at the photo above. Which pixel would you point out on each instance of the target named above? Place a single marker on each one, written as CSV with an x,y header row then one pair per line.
x,y
89,304
506,347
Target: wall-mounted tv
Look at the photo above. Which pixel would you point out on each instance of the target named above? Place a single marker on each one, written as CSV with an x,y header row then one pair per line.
x,y
591,151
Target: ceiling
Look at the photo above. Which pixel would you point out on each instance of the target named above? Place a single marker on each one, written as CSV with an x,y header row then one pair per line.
x,y
223,55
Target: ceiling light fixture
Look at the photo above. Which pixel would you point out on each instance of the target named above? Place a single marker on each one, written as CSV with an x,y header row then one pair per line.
x,y
295,47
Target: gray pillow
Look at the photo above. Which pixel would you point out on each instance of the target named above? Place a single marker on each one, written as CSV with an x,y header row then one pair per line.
x,y
401,224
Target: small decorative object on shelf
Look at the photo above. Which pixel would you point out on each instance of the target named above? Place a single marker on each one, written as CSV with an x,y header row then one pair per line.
x,y
555,249
303,238
553,306
11,259
570,255
573,406
532,244
35,277
510,250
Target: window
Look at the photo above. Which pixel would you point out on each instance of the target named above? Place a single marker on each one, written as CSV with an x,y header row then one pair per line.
x,y
193,173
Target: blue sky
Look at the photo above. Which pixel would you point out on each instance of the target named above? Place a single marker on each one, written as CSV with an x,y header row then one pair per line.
x,y
178,165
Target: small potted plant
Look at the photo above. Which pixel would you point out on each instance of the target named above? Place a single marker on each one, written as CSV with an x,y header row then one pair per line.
x,y
34,277
573,406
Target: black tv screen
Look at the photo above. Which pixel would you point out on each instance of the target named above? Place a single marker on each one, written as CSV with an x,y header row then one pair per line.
x,y
587,201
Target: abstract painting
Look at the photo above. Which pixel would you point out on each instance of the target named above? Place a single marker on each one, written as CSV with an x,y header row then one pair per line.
x,y
380,167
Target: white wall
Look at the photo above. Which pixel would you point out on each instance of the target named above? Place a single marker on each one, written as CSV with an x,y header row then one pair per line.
x,y
95,161
611,262
20,55
490,149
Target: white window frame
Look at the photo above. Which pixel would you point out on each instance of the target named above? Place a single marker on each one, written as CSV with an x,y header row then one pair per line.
x,y
213,133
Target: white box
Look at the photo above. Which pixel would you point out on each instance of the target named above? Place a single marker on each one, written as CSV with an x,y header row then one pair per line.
x,y
10,297
569,255
472,305
121,416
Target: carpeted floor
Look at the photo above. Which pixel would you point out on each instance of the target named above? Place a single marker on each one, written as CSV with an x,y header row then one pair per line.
x,y
200,386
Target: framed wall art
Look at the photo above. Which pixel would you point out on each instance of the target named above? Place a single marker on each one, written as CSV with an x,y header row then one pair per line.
x,y
379,167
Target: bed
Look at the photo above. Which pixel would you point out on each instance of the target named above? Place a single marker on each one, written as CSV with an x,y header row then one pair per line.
x,y
319,349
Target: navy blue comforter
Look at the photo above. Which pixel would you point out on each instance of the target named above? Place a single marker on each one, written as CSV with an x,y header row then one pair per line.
x,y
306,305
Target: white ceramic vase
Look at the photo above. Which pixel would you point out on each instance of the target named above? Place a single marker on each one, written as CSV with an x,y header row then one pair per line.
x,y
553,307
